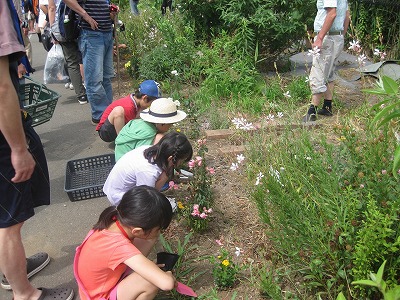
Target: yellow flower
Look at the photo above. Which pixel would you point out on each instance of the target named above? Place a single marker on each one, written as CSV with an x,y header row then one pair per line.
x,y
180,205
178,130
128,65
225,262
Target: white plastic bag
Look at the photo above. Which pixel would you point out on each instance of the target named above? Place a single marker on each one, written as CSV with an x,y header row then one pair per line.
x,y
54,69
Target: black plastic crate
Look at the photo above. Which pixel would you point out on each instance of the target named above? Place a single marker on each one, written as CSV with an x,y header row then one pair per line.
x,y
39,101
85,177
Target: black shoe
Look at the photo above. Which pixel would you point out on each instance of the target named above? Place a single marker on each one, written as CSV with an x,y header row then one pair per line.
x,y
309,118
82,99
325,111
34,264
95,122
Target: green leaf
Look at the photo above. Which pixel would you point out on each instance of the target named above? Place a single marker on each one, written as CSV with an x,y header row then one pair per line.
x,y
384,112
388,118
340,296
365,282
391,87
379,275
396,161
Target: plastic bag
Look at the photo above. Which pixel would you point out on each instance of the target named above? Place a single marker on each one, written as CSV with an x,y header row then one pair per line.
x,y
54,69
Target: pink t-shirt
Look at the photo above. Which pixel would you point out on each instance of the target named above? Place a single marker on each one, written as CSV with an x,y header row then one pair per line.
x,y
9,43
100,264
130,110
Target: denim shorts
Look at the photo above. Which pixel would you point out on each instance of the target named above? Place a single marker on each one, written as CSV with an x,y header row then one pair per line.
x,y
18,200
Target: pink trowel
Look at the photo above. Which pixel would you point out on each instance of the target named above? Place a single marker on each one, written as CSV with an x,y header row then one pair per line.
x,y
185,290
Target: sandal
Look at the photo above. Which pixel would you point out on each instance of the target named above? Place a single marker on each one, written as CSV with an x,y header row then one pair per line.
x,y
56,294
34,264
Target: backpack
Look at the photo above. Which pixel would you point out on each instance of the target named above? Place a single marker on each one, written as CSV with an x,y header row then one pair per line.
x,y
67,27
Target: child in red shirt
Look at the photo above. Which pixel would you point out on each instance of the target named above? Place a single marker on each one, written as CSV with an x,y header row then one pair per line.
x,y
121,111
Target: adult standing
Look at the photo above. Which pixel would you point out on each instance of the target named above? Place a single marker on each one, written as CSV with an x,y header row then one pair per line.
x,y
330,27
24,178
96,45
134,8
72,54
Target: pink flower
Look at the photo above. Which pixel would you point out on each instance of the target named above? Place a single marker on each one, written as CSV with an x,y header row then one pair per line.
x,y
191,164
219,243
361,186
384,172
211,170
203,215
196,207
201,142
172,185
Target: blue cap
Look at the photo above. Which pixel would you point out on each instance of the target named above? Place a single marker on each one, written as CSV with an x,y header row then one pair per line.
x,y
150,88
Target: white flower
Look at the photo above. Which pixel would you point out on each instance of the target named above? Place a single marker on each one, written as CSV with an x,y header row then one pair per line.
x,y
238,251
177,103
174,72
242,124
308,158
280,114
234,167
362,59
259,177
314,52
307,79
165,46
240,158
287,94
355,46
377,52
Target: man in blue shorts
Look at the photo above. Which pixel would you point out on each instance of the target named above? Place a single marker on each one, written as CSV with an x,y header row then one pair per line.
x,y
24,177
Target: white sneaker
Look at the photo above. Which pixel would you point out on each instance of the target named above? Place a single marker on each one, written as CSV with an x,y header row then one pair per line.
x,y
67,85
71,87
173,204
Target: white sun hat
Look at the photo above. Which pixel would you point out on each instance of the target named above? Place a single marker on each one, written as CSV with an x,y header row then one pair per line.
x,y
163,111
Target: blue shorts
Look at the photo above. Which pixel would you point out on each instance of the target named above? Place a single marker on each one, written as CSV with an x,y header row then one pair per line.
x,y
18,200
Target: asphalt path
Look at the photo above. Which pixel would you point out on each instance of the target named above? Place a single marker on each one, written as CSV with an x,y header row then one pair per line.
x,y
60,227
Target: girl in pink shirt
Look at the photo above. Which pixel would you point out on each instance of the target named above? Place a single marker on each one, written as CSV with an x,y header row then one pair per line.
x,y
112,261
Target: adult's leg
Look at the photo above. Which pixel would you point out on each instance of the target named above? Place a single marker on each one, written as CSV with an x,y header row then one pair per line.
x,y
92,47
108,65
13,263
73,59
28,47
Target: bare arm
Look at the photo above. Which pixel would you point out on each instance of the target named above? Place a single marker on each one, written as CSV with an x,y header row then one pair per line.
x,y
11,126
330,17
74,5
52,12
151,272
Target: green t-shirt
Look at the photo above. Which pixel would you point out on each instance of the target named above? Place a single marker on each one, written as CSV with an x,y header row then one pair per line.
x,y
135,133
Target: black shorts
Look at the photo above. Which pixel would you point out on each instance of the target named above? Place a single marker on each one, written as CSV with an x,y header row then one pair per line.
x,y
18,200
107,132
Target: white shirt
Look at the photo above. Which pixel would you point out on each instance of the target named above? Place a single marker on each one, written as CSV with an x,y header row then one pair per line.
x,y
132,169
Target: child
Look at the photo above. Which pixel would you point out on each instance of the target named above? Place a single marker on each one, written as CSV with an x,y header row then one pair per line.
x,y
119,244
121,111
148,165
148,130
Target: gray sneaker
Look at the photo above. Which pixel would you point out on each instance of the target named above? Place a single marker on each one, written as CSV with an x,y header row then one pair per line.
x,y
34,264
57,294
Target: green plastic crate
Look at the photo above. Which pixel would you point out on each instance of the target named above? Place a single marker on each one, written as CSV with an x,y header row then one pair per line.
x,y
38,100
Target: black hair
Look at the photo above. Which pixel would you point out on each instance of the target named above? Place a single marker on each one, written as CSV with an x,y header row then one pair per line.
x,y
174,144
139,95
141,206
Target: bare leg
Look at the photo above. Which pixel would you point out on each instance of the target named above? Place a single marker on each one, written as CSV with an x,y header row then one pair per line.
x,y
117,118
13,263
136,287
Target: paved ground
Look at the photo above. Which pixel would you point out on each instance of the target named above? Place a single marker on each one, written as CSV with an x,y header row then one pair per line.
x,y
58,228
